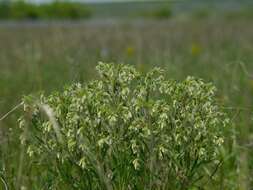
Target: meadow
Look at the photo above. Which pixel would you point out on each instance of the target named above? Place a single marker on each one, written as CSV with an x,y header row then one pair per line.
x,y
47,57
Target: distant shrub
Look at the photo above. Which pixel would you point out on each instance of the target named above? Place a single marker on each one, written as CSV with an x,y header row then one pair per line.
x,y
243,13
65,10
4,10
202,13
125,131
160,13
21,10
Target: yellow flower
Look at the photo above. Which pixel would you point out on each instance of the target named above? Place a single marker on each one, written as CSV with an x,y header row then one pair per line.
x,y
251,83
130,51
195,49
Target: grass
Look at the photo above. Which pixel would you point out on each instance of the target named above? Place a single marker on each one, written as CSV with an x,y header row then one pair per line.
x,y
47,58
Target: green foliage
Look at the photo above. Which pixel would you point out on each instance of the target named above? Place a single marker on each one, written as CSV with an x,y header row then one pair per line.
x,y
63,10
202,13
243,13
125,131
163,13
4,10
160,13
20,10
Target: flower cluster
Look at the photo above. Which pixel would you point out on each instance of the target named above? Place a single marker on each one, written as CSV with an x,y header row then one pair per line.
x,y
126,131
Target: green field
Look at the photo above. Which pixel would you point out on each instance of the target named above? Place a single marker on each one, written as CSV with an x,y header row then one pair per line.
x,y
47,57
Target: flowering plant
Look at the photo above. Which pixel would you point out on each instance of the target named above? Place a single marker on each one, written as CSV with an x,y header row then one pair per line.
x,y
125,131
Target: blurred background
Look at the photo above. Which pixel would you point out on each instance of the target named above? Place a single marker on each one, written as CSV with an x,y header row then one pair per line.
x,y
46,44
